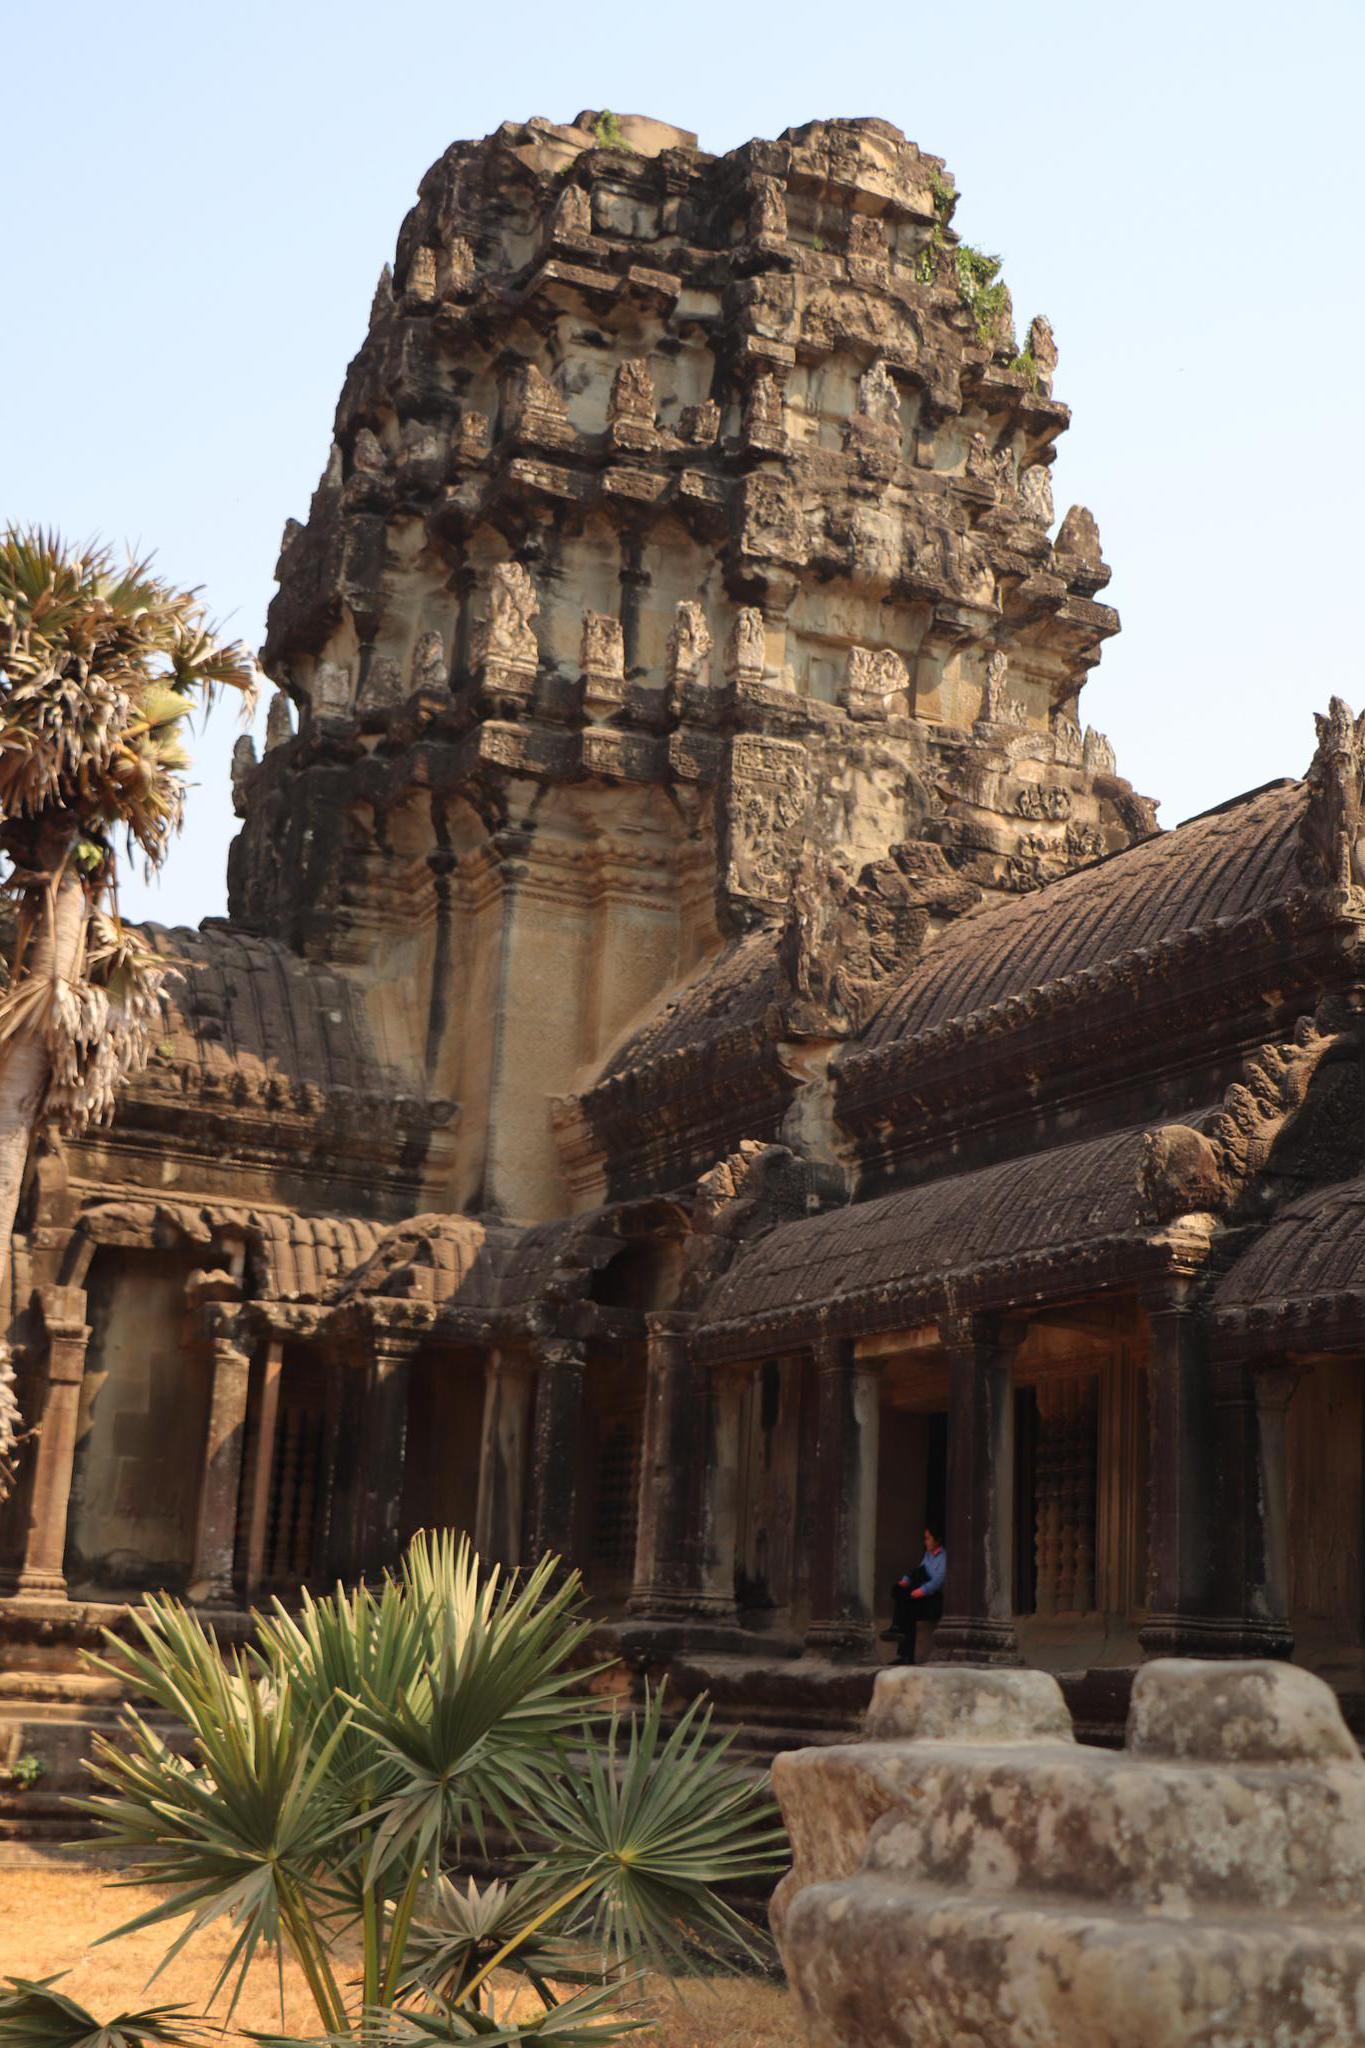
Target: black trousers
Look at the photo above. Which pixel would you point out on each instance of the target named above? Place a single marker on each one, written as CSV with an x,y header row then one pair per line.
x,y
907,1613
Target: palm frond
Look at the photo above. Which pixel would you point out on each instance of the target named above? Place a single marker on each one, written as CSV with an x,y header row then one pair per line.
x,y
657,1822
34,2015
484,1726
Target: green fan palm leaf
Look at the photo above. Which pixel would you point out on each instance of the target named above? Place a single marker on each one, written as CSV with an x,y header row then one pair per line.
x,y
652,1823
34,2015
320,1780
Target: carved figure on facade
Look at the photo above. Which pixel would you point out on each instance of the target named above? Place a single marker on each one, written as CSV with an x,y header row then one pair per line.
x,y
367,453
632,392
1084,843
689,646
572,218
699,425
980,459
769,792
879,399
1043,348
429,670
292,530
382,686
746,648
764,420
998,707
420,447
421,284
243,761
873,679
1068,745
1098,752
1035,494
472,436
602,661
1036,800
505,638
459,266
768,208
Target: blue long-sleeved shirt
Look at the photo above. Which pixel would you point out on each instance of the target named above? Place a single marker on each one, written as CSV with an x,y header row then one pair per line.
x,y
934,1565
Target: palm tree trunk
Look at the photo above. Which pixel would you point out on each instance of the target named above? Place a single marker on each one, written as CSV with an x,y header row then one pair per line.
x,y
26,1064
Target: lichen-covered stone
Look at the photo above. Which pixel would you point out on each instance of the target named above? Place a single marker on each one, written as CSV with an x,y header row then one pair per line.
x,y
1204,1886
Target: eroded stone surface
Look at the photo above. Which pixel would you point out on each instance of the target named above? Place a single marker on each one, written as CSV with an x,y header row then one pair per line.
x,y
1206,1885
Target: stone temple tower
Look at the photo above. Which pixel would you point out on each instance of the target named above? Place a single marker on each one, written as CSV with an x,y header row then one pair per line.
x,y
684,554
709,1069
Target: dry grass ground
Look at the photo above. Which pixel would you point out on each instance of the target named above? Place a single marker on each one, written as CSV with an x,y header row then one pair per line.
x,y
51,1919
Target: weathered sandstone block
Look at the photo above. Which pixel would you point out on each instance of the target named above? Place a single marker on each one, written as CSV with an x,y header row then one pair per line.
x,y
971,1873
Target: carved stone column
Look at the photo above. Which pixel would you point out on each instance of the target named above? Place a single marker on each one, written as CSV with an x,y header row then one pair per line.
x,y
1275,1385
220,1481
978,1609
383,1447
504,1451
556,1451
668,1519
842,1588
1250,1492
1182,1593
689,1481
39,1574
262,1467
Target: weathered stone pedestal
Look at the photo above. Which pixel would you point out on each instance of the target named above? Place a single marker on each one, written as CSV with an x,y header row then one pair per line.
x,y
970,1873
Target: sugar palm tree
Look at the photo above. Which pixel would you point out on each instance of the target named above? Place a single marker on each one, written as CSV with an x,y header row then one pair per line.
x,y
327,1778
100,662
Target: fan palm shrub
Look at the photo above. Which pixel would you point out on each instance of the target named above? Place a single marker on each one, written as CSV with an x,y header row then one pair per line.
x,y
333,1773
100,664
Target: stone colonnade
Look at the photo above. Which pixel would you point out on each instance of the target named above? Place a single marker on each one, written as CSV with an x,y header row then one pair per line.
x,y
1218,1538
529,1469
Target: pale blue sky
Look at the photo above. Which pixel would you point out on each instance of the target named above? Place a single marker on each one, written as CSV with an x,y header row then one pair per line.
x,y
201,199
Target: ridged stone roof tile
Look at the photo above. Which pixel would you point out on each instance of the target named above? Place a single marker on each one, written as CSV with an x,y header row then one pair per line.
x,y
1215,867
1073,1195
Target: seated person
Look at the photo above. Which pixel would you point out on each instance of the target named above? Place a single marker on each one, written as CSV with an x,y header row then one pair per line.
x,y
917,1597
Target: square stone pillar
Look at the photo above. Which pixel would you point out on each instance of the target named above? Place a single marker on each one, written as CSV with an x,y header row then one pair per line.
x,y
383,1447
978,1603
262,1468
215,1537
39,1574
1250,1399
687,1525
557,1451
842,1588
504,1453
1182,1538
